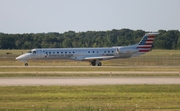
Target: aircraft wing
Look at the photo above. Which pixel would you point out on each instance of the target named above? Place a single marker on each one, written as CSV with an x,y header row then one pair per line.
x,y
98,58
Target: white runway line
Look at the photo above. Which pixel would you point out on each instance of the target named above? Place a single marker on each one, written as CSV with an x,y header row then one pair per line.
x,y
61,81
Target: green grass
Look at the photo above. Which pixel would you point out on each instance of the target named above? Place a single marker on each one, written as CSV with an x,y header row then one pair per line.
x,y
90,68
86,75
90,98
122,71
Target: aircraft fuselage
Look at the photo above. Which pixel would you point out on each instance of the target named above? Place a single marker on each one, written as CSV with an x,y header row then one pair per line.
x,y
93,55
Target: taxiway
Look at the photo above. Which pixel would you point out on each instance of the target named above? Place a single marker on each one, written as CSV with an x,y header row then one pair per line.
x,y
62,81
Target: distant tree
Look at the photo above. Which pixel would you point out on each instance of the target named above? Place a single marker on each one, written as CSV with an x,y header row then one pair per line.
x,y
7,42
165,40
67,43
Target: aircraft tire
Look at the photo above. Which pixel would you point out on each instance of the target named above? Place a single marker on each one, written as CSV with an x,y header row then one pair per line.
x,y
99,64
93,63
26,64
96,64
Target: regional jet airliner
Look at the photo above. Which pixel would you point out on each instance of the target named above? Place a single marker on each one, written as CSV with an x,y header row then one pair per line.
x,y
92,55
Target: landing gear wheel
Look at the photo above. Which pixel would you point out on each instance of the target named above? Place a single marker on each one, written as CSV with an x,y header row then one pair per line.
x,y
93,63
26,64
99,64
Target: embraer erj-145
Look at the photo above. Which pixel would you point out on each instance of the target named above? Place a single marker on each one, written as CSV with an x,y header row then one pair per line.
x,y
92,55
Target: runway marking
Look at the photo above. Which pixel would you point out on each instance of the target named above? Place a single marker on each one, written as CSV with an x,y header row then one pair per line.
x,y
79,81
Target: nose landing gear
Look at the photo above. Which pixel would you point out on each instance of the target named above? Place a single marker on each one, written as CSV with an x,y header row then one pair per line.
x,y
26,64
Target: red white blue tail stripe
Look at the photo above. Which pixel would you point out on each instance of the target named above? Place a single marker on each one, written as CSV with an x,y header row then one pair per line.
x,y
146,42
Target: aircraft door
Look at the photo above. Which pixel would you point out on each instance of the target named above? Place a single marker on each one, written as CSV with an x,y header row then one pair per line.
x,y
36,54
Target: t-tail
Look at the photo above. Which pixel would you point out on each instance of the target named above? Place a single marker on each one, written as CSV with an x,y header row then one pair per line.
x,y
145,45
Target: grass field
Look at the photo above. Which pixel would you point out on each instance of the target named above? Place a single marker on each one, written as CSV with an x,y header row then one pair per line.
x,y
88,71
91,98
153,58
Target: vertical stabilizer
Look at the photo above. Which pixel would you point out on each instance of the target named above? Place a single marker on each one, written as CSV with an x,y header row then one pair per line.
x,y
146,42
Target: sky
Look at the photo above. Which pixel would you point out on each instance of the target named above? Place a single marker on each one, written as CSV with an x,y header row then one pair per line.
x,y
43,16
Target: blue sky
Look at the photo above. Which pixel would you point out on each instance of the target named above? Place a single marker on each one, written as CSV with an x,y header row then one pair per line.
x,y
37,16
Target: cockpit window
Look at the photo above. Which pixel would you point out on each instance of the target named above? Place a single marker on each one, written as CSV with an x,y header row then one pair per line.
x,y
30,52
34,52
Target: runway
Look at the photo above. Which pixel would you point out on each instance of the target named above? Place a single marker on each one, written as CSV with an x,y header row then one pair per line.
x,y
80,81
63,81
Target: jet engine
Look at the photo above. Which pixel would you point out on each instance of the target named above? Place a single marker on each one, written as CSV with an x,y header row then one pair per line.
x,y
121,50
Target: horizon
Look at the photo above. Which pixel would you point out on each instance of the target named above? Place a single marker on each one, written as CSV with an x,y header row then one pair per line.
x,y
92,31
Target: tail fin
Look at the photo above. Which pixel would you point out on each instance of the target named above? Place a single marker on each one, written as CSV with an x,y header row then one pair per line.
x,y
146,42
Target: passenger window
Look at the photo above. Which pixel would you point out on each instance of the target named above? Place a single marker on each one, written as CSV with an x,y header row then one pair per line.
x,y
108,51
34,52
46,52
49,52
88,51
112,51
104,51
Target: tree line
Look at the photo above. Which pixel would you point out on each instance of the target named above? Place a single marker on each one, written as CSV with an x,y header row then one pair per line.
x,y
165,40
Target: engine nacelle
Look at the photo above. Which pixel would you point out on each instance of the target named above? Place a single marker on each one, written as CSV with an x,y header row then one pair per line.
x,y
122,50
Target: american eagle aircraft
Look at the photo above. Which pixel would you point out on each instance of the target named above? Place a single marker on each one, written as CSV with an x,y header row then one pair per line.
x,y
92,55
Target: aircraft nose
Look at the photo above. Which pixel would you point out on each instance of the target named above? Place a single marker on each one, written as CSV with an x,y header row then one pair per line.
x,y
21,57
18,58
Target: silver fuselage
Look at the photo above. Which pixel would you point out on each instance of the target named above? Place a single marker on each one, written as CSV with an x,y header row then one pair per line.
x,y
93,55
80,54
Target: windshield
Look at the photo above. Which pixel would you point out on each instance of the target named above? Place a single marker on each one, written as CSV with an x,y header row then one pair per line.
x,y
34,52
30,52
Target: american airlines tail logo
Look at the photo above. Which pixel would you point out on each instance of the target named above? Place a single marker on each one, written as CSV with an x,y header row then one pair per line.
x,y
145,44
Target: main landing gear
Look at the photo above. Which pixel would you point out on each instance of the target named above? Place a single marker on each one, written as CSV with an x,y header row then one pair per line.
x,y
96,63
